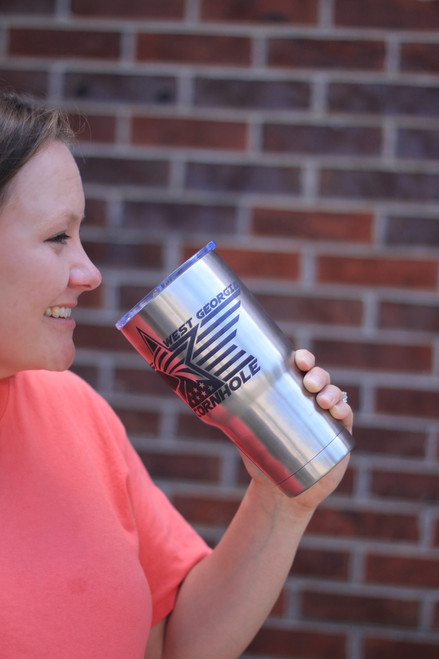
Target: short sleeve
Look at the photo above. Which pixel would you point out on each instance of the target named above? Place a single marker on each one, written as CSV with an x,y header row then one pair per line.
x,y
168,546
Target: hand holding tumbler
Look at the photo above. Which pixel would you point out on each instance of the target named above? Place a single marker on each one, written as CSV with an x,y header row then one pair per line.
x,y
203,331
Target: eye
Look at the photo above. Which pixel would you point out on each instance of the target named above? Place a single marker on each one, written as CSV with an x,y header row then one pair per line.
x,y
60,238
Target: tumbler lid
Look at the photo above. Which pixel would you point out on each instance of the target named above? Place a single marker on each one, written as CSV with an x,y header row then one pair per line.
x,y
168,280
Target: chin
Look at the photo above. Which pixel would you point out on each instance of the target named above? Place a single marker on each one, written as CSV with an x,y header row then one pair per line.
x,y
62,362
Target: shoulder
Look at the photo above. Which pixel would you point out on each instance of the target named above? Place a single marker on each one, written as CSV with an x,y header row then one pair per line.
x,y
64,389
64,400
54,382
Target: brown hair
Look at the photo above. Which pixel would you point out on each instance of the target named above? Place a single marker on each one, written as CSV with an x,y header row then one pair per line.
x,y
25,125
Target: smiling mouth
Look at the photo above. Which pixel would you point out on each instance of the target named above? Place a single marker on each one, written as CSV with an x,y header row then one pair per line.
x,y
58,312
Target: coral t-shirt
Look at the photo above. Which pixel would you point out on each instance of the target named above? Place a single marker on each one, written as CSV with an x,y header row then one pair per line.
x,y
91,551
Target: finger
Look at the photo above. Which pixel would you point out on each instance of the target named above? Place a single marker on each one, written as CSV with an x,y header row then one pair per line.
x,y
304,359
332,398
316,379
329,396
343,413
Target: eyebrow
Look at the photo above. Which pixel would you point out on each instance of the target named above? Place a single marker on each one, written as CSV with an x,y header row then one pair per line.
x,y
71,217
63,219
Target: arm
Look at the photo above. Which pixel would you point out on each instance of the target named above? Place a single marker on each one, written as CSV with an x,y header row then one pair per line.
x,y
226,598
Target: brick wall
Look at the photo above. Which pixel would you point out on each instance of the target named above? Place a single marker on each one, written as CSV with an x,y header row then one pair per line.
x,y
302,136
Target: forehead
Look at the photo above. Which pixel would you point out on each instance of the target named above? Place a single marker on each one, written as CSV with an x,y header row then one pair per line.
x,y
52,165
49,184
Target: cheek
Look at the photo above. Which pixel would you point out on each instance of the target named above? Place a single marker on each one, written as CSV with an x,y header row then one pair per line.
x,y
45,279
27,295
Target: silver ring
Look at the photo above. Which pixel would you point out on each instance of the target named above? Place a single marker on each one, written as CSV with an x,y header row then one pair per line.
x,y
344,396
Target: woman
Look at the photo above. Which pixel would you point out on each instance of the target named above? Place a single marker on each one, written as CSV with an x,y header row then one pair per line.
x,y
94,560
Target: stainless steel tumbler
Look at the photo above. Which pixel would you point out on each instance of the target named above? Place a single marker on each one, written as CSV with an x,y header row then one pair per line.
x,y
203,331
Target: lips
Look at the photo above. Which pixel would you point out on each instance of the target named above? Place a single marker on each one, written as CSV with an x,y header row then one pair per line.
x,y
58,312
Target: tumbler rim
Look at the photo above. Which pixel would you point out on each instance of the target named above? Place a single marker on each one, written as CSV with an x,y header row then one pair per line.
x,y
164,284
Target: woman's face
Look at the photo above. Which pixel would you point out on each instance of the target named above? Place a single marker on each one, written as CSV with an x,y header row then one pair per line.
x,y
43,267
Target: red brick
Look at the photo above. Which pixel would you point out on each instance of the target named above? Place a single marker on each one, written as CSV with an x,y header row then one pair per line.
x,y
124,171
120,88
138,207
309,309
88,373
100,338
321,139
123,255
242,475
215,511
374,356
379,184
92,299
297,644
409,317
320,605
261,11
346,487
321,564
407,571
422,487
163,217
364,524
261,179
436,533
252,94
266,265
313,225
412,231
280,607
154,9
189,133
180,466
138,422
408,402
95,128
392,14
191,426
384,441
95,212
28,7
193,49
351,55
353,391
384,99
82,44
420,57
381,648
418,143
140,381
130,295
385,271
26,81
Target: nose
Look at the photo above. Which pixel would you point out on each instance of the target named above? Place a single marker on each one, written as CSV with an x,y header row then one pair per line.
x,y
83,273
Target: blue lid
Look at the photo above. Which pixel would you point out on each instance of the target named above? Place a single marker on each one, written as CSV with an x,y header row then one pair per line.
x,y
158,289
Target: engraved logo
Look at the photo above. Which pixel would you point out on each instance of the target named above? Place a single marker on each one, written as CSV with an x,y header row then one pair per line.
x,y
203,363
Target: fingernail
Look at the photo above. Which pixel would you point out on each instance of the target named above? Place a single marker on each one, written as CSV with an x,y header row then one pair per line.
x,y
328,399
313,381
307,359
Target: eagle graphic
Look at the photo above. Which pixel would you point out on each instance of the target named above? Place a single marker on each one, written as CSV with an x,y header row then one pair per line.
x,y
204,358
